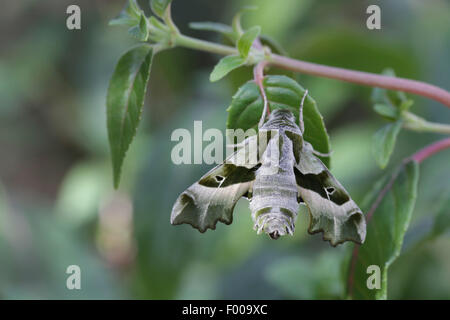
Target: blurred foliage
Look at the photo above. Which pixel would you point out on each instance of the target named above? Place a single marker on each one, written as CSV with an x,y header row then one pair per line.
x,y
57,204
386,229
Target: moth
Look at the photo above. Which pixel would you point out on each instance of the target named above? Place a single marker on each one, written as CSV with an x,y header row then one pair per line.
x,y
277,170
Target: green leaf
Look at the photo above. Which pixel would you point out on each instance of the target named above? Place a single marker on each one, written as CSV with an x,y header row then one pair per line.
x,y
384,142
246,40
396,99
406,104
221,28
385,231
140,31
125,99
129,16
237,18
224,66
282,92
159,6
135,18
393,106
386,110
157,23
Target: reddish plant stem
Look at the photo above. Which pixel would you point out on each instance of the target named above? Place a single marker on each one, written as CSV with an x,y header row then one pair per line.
x,y
364,78
428,151
418,157
258,75
351,276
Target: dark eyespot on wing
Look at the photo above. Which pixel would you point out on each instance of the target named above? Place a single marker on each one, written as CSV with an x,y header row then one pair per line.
x,y
230,174
331,209
330,190
320,183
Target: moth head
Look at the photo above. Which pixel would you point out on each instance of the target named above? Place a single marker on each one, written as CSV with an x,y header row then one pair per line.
x,y
282,114
282,119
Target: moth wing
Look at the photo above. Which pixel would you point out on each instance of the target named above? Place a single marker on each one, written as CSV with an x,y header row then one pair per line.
x,y
213,197
332,210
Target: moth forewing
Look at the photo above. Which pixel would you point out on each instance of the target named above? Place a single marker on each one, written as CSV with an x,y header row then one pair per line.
x,y
332,211
214,196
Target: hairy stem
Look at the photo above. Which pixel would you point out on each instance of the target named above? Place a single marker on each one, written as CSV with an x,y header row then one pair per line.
x,y
359,77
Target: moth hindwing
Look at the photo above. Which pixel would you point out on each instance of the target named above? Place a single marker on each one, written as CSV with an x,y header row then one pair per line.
x,y
286,173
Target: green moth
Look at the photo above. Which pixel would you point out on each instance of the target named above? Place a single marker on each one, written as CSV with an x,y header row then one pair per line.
x,y
277,170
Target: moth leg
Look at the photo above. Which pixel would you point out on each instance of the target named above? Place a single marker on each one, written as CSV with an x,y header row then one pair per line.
x,y
289,230
260,223
300,116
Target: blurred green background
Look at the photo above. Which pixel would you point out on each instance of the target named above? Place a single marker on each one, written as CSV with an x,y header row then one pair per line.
x,y
57,204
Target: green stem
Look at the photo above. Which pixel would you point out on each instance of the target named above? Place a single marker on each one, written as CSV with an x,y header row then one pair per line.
x,y
168,20
433,127
416,123
202,45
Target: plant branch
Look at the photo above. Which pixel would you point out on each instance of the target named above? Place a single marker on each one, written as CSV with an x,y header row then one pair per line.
x,y
431,149
436,127
364,78
202,45
258,76
416,123
359,77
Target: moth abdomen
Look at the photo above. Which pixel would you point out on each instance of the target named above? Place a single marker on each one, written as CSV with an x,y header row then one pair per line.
x,y
275,221
274,203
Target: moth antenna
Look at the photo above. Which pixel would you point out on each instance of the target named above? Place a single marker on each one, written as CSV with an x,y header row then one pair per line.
x,y
320,154
265,107
300,116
